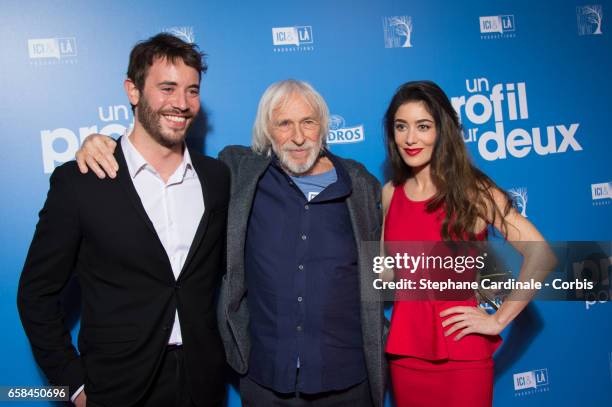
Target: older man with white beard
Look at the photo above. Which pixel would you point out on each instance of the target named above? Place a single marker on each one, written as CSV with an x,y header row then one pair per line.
x,y
292,311
291,314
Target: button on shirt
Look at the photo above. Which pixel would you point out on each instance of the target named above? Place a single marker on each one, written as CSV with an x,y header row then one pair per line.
x,y
303,287
174,207
311,186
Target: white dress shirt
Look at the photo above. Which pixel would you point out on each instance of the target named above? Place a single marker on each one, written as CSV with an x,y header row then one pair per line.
x,y
174,207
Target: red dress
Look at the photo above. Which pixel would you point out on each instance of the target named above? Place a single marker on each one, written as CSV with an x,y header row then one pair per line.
x,y
428,368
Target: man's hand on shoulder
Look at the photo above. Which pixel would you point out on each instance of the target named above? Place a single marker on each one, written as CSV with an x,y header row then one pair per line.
x,y
96,154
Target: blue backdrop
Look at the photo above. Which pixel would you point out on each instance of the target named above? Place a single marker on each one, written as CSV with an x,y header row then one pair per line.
x,y
531,81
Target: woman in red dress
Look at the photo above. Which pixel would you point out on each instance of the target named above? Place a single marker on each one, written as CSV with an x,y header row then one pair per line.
x,y
440,351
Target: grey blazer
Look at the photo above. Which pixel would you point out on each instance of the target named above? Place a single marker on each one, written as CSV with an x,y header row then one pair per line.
x,y
364,207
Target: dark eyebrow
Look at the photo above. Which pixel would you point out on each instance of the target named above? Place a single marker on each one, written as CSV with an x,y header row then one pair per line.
x,y
418,121
170,83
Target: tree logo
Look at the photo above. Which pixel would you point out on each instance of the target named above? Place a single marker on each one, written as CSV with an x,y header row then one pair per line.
x,y
184,33
519,198
589,19
398,31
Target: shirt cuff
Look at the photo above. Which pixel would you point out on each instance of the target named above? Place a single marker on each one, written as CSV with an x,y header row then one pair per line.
x,y
76,393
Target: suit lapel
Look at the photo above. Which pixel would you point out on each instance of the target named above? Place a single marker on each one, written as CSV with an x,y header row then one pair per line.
x,y
126,183
208,207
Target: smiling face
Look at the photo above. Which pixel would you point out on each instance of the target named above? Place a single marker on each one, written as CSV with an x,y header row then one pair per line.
x,y
169,101
415,134
296,136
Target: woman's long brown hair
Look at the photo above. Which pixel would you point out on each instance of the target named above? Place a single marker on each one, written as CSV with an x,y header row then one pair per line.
x,y
463,191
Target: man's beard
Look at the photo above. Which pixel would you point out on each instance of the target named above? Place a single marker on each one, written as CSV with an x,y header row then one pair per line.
x,y
150,121
293,167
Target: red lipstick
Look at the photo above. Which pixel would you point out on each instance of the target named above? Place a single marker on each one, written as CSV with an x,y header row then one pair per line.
x,y
413,151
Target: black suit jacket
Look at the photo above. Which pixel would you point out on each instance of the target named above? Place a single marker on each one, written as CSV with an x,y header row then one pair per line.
x,y
99,230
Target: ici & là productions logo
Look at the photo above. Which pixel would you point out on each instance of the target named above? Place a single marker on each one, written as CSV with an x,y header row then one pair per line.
x,y
519,199
531,382
292,39
601,193
52,51
398,31
496,27
340,133
185,33
589,19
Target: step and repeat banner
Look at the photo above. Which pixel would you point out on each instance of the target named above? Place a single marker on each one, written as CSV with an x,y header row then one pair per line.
x,y
530,80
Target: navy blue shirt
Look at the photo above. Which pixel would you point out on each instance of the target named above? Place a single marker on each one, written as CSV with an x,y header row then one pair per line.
x,y
303,287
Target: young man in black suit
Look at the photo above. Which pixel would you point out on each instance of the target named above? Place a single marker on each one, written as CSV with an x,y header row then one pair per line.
x,y
148,252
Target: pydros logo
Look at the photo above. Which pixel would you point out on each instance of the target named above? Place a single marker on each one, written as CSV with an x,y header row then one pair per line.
x,y
59,145
339,132
498,105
